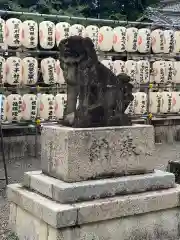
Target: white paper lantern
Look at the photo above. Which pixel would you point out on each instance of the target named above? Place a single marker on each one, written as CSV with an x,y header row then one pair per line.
x,y
92,31
157,41
3,108
176,42
60,104
14,70
144,40
108,64
77,30
14,108
131,70
47,107
105,39
13,32
166,102
29,107
159,72
140,99
62,31
38,103
143,71
47,32
60,75
119,67
176,72
29,35
30,71
169,72
154,102
131,39
2,32
48,68
175,104
168,41
2,70
119,39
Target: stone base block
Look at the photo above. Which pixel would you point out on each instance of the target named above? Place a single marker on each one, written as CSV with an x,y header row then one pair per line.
x,y
65,215
54,214
95,189
77,154
159,225
25,225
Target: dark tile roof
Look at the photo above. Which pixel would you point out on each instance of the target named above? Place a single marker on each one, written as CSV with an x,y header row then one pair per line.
x,y
167,12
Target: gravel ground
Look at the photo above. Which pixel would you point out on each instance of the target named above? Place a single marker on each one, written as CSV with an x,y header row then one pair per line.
x,y
16,168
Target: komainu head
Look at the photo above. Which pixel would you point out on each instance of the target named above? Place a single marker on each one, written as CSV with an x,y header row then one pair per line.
x,y
76,49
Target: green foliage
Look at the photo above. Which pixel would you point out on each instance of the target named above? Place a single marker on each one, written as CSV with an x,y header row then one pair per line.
x,y
114,9
12,236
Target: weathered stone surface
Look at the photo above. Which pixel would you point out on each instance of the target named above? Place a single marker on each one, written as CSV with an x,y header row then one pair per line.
x,y
72,192
56,215
77,154
66,234
12,216
152,226
129,205
161,225
40,183
26,179
30,227
65,215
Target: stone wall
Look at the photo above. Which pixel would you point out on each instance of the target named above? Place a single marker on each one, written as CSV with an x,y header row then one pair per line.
x,y
20,147
167,134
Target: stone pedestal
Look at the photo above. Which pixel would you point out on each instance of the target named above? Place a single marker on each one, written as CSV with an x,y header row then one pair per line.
x,y
80,194
77,154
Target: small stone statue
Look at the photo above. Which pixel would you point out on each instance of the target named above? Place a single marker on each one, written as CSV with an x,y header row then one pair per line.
x,y
102,97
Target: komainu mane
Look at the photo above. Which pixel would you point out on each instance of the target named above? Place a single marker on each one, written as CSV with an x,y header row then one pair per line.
x,y
102,96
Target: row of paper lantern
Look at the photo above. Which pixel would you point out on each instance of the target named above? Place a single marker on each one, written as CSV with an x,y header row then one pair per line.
x,y
27,107
15,33
15,71
141,72
48,107
159,102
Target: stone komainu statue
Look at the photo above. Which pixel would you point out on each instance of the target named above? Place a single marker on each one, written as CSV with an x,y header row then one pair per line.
x,y
102,96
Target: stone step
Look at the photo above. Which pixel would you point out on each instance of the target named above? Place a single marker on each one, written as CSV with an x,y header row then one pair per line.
x,y
60,215
63,192
56,215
